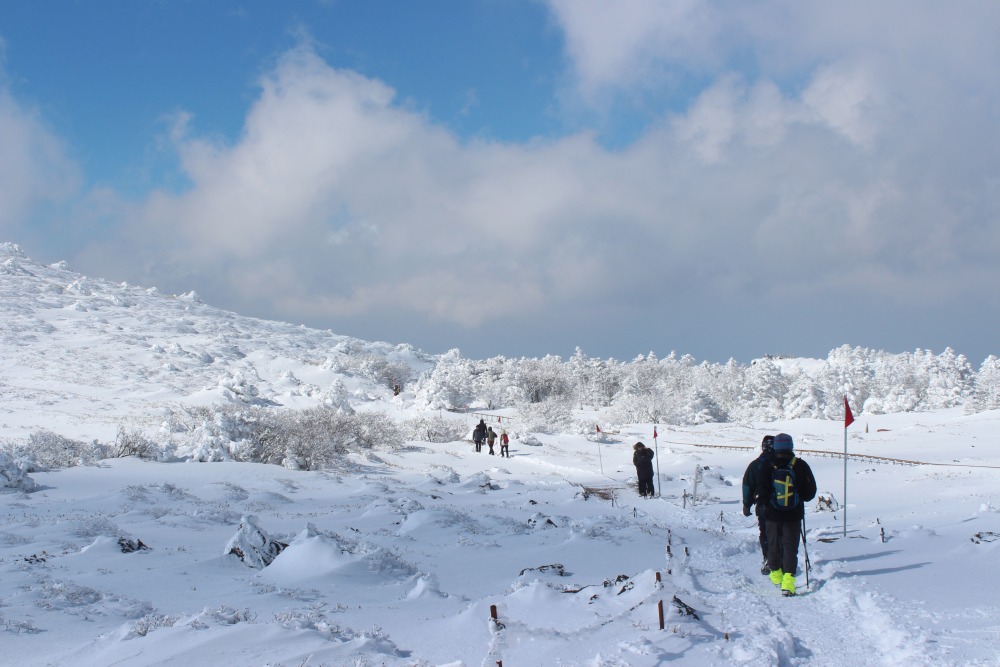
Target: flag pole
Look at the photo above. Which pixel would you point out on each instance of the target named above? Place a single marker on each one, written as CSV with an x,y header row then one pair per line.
x,y
845,479
600,457
848,419
656,449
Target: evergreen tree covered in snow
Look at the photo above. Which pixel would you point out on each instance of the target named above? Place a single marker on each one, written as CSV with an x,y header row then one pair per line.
x,y
986,387
680,390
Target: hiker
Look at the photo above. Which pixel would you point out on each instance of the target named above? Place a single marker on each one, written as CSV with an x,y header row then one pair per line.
x,y
491,437
479,434
643,460
750,495
784,484
504,443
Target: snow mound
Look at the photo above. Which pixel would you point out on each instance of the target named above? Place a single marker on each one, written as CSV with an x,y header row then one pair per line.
x,y
252,545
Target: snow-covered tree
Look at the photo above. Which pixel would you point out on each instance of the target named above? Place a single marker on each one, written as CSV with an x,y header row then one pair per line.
x,y
449,385
987,385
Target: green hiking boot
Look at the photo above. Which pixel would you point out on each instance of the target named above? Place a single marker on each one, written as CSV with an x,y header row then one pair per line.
x,y
788,584
776,576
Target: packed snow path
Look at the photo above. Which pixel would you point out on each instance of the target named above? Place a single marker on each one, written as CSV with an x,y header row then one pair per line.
x,y
722,578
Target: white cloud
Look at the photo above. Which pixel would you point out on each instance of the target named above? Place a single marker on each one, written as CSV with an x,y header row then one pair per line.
x,y
842,157
845,100
337,202
35,170
625,43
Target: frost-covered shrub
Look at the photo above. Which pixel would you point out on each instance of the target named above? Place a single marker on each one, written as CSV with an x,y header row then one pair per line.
x,y
310,439
46,450
551,416
313,439
132,442
373,430
13,475
371,366
228,432
434,428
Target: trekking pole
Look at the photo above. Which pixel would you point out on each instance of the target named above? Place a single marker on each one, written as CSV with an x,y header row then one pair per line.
x,y
805,550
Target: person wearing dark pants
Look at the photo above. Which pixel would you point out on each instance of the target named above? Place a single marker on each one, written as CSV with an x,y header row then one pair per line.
x,y
750,496
643,460
479,434
784,484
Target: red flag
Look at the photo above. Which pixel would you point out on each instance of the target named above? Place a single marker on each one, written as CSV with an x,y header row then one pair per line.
x,y
498,421
598,428
848,417
654,433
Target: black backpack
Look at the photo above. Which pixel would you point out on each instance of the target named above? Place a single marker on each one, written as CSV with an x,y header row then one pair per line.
x,y
784,492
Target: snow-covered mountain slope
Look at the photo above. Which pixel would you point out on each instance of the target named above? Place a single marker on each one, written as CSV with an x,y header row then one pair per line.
x,y
93,353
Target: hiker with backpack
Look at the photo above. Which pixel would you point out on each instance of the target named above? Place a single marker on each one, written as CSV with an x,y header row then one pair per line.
x,y
784,484
642,458
479,434
504,443
491,438
750,495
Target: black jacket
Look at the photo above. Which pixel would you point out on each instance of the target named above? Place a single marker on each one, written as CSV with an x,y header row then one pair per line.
x,y
804,481
643,460
750,482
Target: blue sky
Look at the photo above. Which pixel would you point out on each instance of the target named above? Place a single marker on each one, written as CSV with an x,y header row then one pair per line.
x,y
522,177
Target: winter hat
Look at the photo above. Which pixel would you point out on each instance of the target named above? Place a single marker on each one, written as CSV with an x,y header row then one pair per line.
x,y
638,446
783,443
767,444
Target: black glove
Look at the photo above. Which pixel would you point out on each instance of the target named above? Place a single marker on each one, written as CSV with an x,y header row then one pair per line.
x,y
746,510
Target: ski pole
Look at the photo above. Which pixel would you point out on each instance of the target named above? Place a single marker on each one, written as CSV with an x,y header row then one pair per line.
x,y
805,550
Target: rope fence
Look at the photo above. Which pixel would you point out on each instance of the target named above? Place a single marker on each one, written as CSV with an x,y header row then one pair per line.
x,y
869,458
485,416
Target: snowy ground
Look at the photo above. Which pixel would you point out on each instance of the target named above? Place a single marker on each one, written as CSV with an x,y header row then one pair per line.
x,y
398,561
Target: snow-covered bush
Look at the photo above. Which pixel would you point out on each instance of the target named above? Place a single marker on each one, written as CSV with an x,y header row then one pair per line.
x,y
377,368
231,431
434,428
309,439
373,431
132,442
13,475
551,416
46,450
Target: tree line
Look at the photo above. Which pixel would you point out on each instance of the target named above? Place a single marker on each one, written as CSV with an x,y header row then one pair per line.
x,y
679,390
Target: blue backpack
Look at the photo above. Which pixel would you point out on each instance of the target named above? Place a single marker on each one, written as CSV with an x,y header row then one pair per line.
x,y
784,493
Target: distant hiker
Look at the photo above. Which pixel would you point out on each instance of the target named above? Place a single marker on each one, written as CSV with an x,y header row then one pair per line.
x,y
750,495
504,443
479,434
395,390
491,437
643,460
784,484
